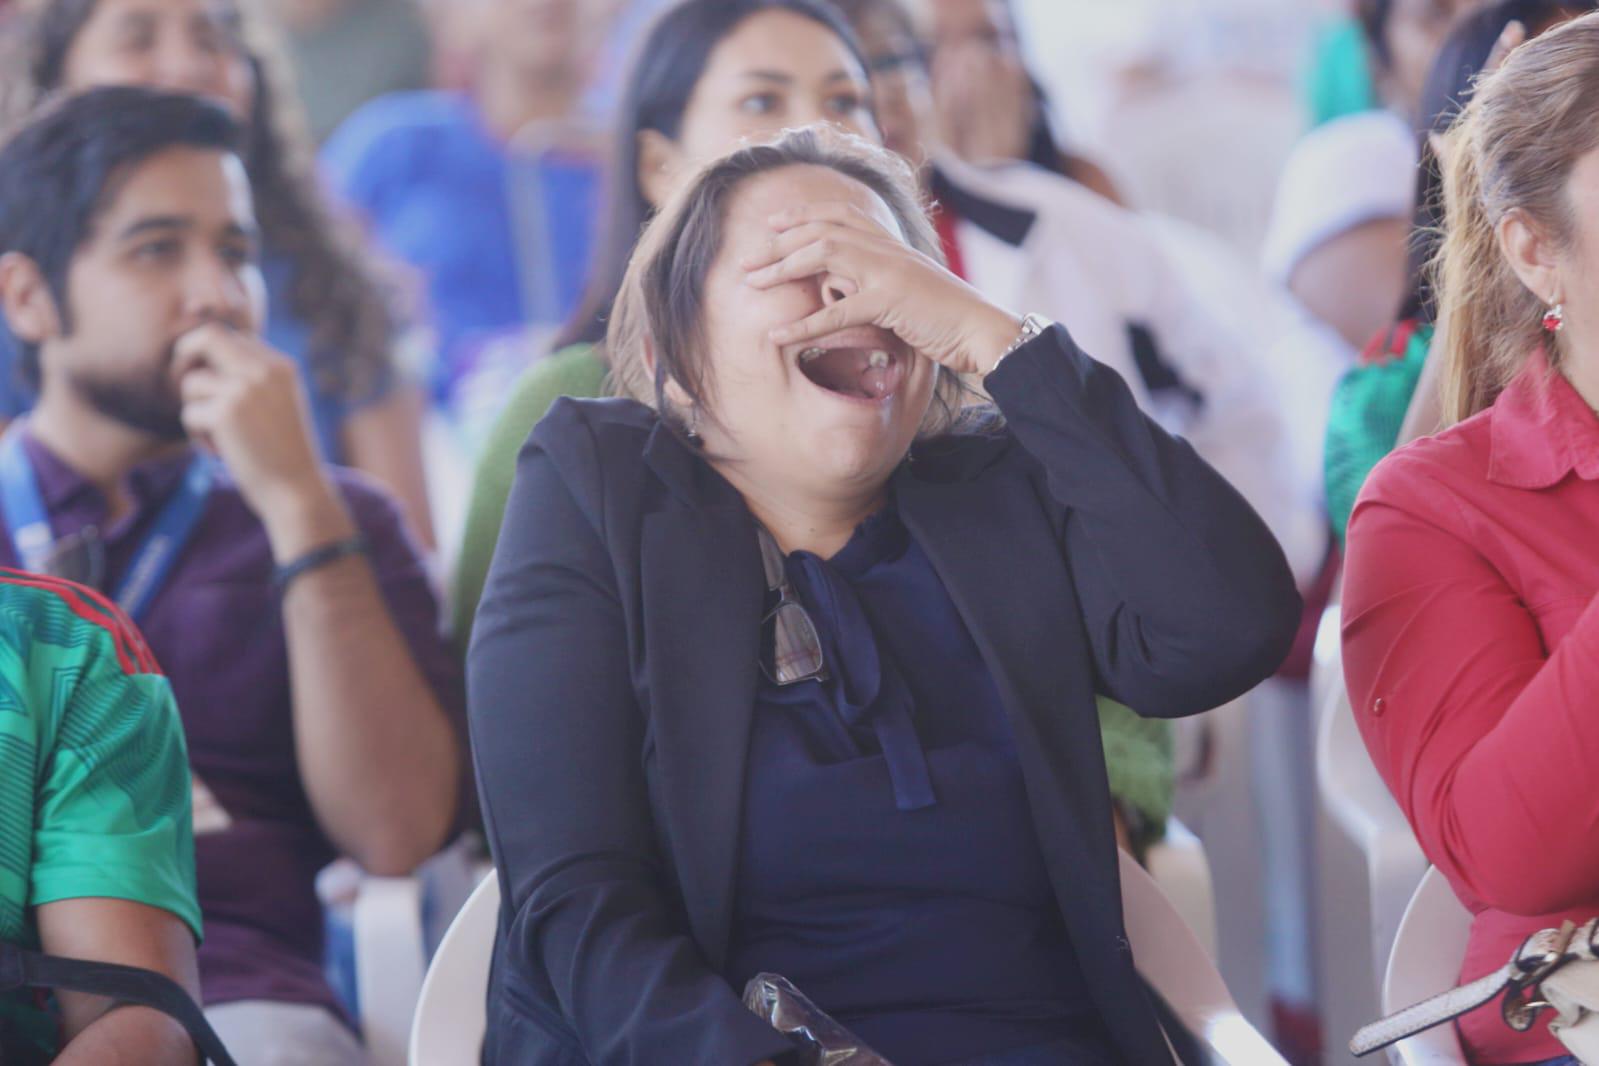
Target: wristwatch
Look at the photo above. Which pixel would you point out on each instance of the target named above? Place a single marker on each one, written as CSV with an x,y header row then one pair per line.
x,y
1032,326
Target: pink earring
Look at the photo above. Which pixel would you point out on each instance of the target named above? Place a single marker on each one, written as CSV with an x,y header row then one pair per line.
x,y
1554,319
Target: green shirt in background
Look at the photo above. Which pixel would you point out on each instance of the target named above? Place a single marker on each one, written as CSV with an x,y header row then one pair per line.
x,y
94,775
574,371
1138,751
1367,412
1338,80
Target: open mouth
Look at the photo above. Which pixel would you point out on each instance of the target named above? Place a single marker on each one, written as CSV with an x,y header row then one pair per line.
x,y
859,372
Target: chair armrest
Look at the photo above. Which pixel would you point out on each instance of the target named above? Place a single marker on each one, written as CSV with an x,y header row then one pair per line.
x,y
1354,794
1360,806
389,963
1177,863
1174,963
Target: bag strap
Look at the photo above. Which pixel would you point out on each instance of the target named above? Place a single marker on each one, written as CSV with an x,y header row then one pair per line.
x,y
20,968
1430,1012
1539,956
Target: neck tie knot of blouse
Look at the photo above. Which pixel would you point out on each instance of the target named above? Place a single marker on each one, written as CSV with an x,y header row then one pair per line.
x,y
865,688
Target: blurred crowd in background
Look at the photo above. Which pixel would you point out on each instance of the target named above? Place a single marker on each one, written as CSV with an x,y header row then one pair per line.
x,y
433,180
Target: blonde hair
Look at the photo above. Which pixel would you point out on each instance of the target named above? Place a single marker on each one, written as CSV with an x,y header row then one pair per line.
x,y
661,302
1513,150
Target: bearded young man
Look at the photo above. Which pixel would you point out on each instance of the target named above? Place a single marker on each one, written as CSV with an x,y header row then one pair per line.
x,y
170,462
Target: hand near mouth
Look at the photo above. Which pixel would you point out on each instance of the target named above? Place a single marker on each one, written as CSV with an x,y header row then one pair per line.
x,y
243,401
879,280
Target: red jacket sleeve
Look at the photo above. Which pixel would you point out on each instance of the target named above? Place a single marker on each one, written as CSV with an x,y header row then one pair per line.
x,y
1488,742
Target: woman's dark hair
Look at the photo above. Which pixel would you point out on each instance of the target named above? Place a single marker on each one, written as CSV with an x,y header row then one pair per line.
x,y
336,289
57,172
665,69
1449,85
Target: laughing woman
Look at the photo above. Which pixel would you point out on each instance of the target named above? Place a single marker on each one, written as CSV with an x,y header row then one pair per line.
x,y
787,661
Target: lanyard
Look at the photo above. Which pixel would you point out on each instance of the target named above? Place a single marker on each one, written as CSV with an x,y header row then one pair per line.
x,y
29,524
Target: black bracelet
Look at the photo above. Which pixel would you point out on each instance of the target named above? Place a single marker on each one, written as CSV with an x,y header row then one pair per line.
x,y
317,558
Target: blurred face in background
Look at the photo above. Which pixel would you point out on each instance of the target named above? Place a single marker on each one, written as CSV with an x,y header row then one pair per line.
x,y
548,40
902,96
306,16
537,35
984,97
181,45
1413,33
979,23
776,70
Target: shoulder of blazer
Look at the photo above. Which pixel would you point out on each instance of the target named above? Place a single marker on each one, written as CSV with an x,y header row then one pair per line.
x,y
588,442
964,454
610,424
621,450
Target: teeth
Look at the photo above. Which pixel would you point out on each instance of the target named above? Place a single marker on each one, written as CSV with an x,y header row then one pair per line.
x,y
810,353
878,360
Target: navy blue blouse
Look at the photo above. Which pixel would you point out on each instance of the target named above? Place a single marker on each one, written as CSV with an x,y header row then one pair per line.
x,y
889,865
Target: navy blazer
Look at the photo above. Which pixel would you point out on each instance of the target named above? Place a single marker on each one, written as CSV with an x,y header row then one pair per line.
x,y
613,673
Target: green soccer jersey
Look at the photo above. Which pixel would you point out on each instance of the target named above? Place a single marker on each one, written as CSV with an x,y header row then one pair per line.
x,y
94,778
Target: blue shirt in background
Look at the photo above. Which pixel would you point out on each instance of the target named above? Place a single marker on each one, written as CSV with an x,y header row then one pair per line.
x,y
283,330
502,238
889,865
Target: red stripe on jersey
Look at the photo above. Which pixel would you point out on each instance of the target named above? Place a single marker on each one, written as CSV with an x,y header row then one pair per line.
x,y
94,607
1389,343
91,607
133,653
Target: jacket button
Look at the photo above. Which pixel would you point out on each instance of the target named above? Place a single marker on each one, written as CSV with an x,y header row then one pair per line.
x,y
1377,707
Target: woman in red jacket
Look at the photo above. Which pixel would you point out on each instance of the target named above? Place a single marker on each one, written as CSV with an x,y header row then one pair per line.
x,y
1471,627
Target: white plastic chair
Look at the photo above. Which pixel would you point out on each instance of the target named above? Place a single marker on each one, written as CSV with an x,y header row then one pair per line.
x,y
531,146
1359,804
1370,862
1326,657
1216,801
395,922
452,1014
1425,961
1179,866
451,1017
1176,966
389,960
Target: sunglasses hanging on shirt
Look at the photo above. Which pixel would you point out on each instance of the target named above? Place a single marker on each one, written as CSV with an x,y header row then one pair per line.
x,y
791,650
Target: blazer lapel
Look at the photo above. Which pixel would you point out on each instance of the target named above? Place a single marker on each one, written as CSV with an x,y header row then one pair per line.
x,y
703,593
1026,623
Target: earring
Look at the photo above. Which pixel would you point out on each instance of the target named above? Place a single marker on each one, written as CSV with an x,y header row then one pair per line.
x,y
1554,319
693,427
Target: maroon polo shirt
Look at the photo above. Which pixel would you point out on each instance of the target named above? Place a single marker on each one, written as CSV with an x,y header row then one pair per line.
x,y
217,630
